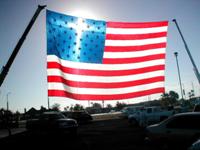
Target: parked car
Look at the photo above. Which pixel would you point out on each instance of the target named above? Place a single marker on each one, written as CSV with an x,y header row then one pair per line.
x,y
196,108
195,145
180,129
80,116
129,110
53,122
149,115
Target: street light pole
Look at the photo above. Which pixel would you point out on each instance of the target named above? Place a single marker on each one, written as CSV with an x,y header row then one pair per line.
x,y
8,101
179,76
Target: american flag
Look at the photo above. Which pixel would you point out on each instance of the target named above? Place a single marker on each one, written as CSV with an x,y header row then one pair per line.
x,y
97,60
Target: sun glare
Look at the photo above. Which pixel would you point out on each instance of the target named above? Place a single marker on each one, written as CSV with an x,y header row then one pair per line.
x,y
84,14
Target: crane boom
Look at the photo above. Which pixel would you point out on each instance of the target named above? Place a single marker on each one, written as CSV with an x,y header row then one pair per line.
x,y
6,68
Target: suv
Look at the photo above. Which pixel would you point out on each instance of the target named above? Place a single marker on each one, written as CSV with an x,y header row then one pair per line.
x,y
81,117
183,128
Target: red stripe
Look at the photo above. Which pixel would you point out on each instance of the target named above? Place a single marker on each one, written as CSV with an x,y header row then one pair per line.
x,y
61,93
135,36
80,84
136,25
55,65
134,48
131,60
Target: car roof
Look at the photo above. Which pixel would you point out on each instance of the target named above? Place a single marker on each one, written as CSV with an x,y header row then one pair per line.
x,y
187,114
51,112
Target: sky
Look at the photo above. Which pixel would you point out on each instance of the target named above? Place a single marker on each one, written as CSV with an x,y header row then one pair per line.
x,y
25,85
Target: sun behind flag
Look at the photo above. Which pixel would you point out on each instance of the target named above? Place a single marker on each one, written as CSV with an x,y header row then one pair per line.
x,y
97,60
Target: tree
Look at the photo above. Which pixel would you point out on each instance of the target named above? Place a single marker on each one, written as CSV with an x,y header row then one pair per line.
x,y
96,105
119,105
169,99
173,95
55,107
78,107
109,106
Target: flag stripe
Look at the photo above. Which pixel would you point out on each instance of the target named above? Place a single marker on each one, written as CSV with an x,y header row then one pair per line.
x,y
127,96
134,53
103,91
55,65
135,31
79,84
136,25
134,42
130,60
134,48
135,36
104,79
112,67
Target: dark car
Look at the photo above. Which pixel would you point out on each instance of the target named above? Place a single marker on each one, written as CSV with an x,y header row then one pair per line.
x,y
180,129
81,117
53,122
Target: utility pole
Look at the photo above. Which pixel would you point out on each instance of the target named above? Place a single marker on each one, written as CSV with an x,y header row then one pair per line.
x,y
48,103
179,76
188,51
8,101
6,68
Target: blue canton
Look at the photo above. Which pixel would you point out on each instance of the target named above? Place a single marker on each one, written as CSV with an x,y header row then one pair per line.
x,y
75,39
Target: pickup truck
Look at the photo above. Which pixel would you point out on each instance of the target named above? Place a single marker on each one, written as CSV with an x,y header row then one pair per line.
x,y
149,115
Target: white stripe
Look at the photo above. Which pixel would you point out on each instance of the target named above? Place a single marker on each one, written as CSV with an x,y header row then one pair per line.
x,y
103,79
133,54
134,42
104,91
78,65
135,30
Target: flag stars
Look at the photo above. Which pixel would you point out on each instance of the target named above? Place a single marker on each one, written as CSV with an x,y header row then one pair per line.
x,y
75,39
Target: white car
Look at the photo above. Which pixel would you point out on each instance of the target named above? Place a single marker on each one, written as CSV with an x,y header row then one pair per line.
x,y
180,129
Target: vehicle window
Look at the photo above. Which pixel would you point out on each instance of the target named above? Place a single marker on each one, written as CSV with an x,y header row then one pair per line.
x,y
149,110
52,116
185,122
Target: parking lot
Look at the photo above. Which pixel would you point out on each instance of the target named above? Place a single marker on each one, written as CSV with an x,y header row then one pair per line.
x,y
114,134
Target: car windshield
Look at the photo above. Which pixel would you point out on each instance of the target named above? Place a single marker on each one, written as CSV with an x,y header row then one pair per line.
x,y
52,116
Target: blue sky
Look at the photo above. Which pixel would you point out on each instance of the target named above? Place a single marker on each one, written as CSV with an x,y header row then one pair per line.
x,y
26,80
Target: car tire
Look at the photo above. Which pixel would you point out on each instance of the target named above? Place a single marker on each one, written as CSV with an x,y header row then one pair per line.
x,y
133,122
